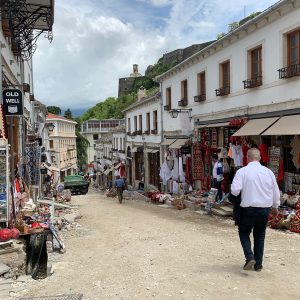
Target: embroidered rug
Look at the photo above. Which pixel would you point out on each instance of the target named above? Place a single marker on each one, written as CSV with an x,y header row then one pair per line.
x,y
33,163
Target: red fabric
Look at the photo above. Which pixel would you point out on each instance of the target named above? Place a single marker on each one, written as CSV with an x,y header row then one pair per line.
x,y
264,153
5,235
122,170
188,163
245,149
280,176
17,186
198,168
15,233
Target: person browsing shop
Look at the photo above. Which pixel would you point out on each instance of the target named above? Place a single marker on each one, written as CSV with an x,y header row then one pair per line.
x,y
259,196
217,175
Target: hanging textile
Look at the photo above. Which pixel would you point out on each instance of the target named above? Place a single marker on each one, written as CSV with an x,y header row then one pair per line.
x,y
198,168
33,161
180,170
165,173
264,153
237,155
175,171
295,144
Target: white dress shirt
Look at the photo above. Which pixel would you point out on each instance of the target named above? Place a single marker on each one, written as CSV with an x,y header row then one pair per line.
x,y
258,186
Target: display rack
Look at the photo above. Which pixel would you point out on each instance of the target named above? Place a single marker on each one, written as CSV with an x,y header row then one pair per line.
x,y
4,181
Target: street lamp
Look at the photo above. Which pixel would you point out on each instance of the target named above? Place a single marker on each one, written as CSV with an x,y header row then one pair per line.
x,y
175,112
50,127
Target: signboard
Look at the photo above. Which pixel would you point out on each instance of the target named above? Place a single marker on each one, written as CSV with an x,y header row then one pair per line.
x,y
12,102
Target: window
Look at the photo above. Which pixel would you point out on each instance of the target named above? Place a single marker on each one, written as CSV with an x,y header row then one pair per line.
x,y
201,84
95,137
293,40
128,125
51,144
135,123
154,122
225,74
256,62
140,123
184,91
148,122
168,99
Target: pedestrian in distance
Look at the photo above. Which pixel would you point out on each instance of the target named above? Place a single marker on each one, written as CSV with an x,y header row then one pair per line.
x,y
217,175
259,196
120,185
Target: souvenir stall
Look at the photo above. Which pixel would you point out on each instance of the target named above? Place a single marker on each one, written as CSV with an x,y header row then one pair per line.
x,y
279,144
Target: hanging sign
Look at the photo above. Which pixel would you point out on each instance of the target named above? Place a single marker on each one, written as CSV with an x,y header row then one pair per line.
x,y
12,102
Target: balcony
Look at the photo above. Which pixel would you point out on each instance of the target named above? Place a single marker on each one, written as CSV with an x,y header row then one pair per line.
x,y
253,82
223,91
167,107
200,98
147,132
128,133
122,151
290,71
139,132
114,150
154,131
70,147
183,102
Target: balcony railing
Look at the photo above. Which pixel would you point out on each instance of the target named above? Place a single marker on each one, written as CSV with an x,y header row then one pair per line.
x,y
253,82
70,147
200,98
128,133
290,71
147,132
183,102
154,131
223,91
114,149
167,107
139,132
122,151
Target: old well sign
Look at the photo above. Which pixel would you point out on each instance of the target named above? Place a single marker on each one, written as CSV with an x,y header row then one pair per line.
x,y
12,102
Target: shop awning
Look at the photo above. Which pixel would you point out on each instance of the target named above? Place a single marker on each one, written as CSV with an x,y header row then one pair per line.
x,y
168,142
148,150
155,151
178,143
256,127
288,125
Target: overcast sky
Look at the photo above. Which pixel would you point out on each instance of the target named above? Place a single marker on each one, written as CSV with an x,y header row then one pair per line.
x,y
97,41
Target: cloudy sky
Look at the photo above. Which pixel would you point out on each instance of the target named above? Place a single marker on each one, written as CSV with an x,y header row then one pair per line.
x,y
97,41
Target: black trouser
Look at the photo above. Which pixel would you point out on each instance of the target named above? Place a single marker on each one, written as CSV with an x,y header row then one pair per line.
x,y
120,194
255,218
218,185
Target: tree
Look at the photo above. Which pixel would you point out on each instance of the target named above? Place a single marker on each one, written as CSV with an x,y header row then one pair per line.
x,y
68,114
54,110
81,144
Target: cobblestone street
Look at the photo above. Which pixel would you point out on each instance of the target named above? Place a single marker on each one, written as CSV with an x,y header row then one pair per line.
x,y
140,251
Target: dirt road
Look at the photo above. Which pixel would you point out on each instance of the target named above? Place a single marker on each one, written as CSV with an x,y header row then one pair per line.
x,y
137,250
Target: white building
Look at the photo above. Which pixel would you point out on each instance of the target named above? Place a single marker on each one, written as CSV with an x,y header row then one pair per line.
x,y
93,130
248,74
62,144
143,132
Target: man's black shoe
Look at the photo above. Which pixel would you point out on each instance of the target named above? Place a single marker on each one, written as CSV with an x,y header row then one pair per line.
x,y
258,268
249,264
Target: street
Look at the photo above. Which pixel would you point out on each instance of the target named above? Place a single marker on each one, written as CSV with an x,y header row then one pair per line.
x,y
137,250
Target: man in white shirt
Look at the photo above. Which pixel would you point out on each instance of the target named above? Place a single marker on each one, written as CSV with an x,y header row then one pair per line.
x,y
260,194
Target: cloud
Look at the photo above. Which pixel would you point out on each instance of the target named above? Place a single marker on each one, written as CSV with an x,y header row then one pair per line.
x,y
97,41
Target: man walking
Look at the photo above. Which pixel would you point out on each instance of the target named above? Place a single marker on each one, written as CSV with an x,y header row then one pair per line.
x,y
120,185
260,194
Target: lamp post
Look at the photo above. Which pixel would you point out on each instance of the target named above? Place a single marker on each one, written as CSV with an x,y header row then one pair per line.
x,y
175,112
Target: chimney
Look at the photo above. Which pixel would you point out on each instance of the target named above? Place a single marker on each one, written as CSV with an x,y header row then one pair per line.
x,y
141,93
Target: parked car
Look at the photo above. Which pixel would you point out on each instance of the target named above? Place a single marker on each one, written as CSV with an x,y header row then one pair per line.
x,y
76,183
